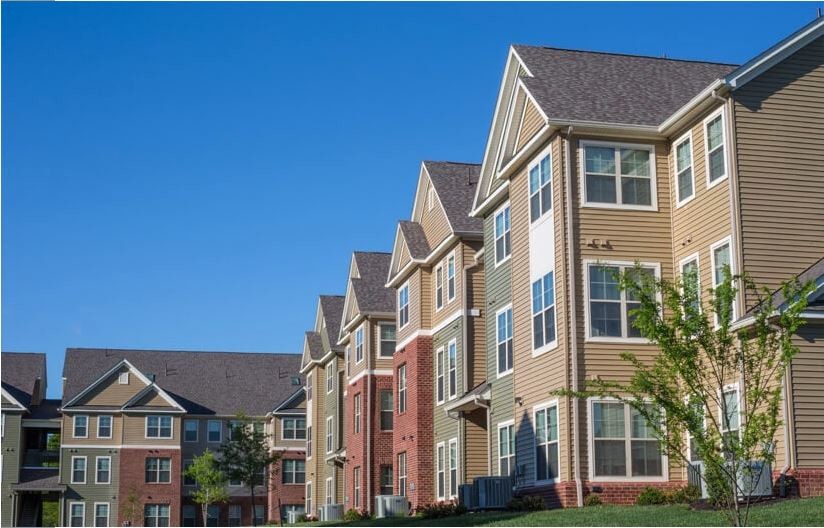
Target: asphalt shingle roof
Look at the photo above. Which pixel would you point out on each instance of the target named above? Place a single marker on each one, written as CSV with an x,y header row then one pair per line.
x,y
19,372
415,239
315,344
369,290
332,308
202,382
613,88
455,184
810,274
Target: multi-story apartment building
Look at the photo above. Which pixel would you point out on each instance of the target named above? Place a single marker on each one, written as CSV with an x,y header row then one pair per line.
x,y
287,432
596,161
322,364
367,333
440,438
31,442
133,419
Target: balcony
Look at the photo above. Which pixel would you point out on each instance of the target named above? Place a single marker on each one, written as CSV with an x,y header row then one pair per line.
x,y
41,458
41,448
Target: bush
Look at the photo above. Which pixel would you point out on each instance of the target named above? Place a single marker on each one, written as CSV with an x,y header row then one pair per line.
x,y
527,503
353,515
593,500
441,509
649,496
685,495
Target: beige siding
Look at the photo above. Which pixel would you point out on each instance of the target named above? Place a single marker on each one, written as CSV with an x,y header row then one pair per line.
x,y
476,347
530,125
110,392
780,151
808,396
117,431
434,223
449,306
134,431
475,448
315,461
415,305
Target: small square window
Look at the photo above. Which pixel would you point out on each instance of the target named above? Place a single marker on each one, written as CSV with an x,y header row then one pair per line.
x,y
123,379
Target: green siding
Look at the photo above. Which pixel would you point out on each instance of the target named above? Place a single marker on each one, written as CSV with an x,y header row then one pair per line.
x,y
90,492
498,294
11,461
444,426
331,405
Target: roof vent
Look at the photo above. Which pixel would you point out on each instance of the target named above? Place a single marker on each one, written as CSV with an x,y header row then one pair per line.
x,y
151,376
295,380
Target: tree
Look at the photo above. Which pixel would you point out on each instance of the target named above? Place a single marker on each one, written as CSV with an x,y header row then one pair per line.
x,y
210,482
246,455
131,508
685,391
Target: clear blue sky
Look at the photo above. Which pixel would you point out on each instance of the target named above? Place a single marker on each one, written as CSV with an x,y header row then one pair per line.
x,y
192,176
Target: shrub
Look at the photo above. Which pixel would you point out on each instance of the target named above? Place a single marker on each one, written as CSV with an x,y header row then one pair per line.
x,y
649,496
441,509
593,500
353,515
685,495
527,503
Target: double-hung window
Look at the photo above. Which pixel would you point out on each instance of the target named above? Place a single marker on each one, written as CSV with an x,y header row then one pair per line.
x,y
158,427
440,385
330,376
294,471
402,473
330,496
308,496
720,253
730,418
387,410
214,431
543,311
359,344
387,339
453,468
441,470
187,480
403,306
610,307
80,427
504,340
540,187
619,176
78,470
439,287
685,184
691,284
309,380
506,449
624,445
450,277
77,514
330,437
156,514
189,515
546,442
357,485
294,429
714,146
356,402
402,388
308,441
101,513
503,246
103,471
452,348
190,428
234,515
387,486
158,470
104,426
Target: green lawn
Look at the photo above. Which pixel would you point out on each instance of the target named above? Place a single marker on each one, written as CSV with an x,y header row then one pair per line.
x,y
801,512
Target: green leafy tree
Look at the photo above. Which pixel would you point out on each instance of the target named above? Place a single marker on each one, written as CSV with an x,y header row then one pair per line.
x,y
210,481
131,507
246,455
685,389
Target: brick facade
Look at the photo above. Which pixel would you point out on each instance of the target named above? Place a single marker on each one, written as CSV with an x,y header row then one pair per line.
x,y
413,433
133,481
380,445
810,481
281,494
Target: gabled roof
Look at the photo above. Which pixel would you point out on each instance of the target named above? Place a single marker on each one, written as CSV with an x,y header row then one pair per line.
x,y
455,185
331,307
416,243
314,345
573,85
291,405
369,291
814,274
221,383
20,372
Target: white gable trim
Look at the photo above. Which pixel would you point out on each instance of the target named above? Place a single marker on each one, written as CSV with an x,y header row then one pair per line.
x,y
163,394
108,373
13,400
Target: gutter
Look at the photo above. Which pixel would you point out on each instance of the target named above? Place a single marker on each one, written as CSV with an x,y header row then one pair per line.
x,y
573,319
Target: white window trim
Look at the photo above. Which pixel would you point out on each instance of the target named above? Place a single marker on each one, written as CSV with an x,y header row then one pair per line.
x,y
689,437
588,338
618,145
440,447
439,269
357,485
440,373
72,503
330,377
220,430
453,341
85,470
405,286
454,260
628,447
403,390
296,429
696,257
497,343
74,425
330,435
729,388
545,406
171,470
111,425
362,331
308,500
309,442
535,162
159,416
453,442
498,211
108,513
679,202
503,425
357,413
724,241
123,376
549,345
381,340
711,117
197,430
96,468
330,491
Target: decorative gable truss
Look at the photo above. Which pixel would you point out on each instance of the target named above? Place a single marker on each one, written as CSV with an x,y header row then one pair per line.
x,y
10,403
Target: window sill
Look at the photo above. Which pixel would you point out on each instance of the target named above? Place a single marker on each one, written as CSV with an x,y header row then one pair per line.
x,y
619,340
596,205
552,345
629,479
503,260
505,373
682,203
711,184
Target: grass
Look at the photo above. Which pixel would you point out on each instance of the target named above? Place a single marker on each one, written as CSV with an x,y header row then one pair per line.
x,y
800,512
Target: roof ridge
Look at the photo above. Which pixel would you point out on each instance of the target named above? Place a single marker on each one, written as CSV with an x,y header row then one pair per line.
x,y
468,163
175,351
619,54
372,252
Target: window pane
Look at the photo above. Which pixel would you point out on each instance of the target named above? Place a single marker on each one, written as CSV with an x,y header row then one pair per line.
x,y
731,402
714,133
534,180
605,319
608,420
722,258
636,191
640,426
631,330
540,426
610,458
601,189
534,207
685,184
603,283
537,297
635,162
600,159
646,458
683,155
549,325
546,198
716,164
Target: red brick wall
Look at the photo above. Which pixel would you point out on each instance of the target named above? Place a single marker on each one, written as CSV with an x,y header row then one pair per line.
x,y
133,480
380,444
281,494
627,492
245,503
810,481
413,432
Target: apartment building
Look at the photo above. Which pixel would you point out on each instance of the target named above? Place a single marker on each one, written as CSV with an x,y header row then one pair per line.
x,y
31,442
596,161
286,426
367,333
440,436
323,366
133,420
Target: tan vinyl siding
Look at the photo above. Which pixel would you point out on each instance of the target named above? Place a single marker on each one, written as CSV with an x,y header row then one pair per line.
x,y
415,304
449,307
476,297
808,396
780,155
11,462
153,399
110,392
68,429
531,124
134,431
377,361
475,448
315,461
434,223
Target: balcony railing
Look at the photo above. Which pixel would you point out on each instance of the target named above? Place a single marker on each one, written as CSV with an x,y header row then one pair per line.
x,y
41,458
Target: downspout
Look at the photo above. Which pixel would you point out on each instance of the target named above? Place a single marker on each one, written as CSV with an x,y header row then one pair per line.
x,y
789,422
368,461
573,318
465,369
